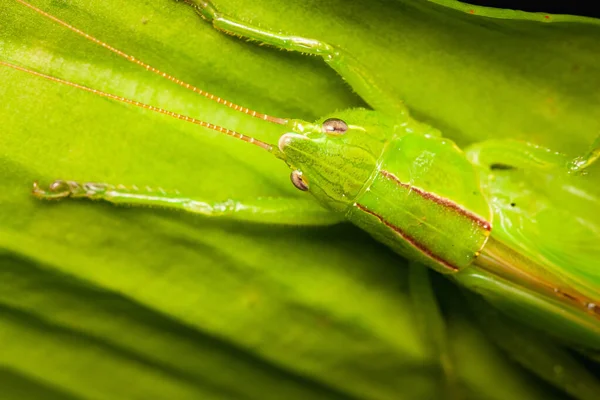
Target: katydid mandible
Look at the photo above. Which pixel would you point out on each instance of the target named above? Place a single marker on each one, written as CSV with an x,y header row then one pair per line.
x,y
410,188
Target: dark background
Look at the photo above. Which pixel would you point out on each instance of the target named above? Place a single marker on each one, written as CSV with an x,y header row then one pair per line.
x,y
589,8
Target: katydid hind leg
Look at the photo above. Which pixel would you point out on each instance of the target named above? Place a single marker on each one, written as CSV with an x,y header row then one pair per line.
x,y
572,325
431,325
534,350
270,210
357,76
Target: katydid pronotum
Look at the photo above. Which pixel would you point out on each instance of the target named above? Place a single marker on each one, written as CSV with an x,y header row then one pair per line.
x,y
411,189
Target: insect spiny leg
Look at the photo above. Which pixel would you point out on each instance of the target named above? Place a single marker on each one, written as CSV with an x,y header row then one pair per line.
x,y
56,190
62,189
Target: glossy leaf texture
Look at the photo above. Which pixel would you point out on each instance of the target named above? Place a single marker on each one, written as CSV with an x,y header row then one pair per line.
x,y
105,302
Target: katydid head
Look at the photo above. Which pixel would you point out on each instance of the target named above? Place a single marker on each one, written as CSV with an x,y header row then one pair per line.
x,y
334,157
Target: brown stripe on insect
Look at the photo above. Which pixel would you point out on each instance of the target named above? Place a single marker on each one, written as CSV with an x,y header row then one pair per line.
x,y
440,200
590,306
408,238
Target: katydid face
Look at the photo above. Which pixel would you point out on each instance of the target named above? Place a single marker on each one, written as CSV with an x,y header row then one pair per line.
x,y
338,154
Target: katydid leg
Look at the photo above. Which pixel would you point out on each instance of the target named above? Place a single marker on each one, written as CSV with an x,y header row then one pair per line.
x,y
357,76
579,164
431,324
269,210
572,324
511,154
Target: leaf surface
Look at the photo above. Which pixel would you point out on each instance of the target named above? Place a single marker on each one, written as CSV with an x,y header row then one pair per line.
x,y
103,302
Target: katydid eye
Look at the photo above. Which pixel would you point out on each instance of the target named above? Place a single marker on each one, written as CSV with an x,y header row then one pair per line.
x,y
299,181
334,126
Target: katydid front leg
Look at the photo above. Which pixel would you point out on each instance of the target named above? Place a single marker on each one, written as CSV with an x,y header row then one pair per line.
x,y
269,210
509,153
357,76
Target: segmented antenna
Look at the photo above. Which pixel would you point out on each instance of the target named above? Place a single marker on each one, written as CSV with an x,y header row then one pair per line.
x,y
245,110
159,110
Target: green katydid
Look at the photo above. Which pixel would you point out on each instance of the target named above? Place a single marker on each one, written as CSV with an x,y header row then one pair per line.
x,y
416,192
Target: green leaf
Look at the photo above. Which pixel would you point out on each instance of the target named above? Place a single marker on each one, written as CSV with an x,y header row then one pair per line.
x,y
104,302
